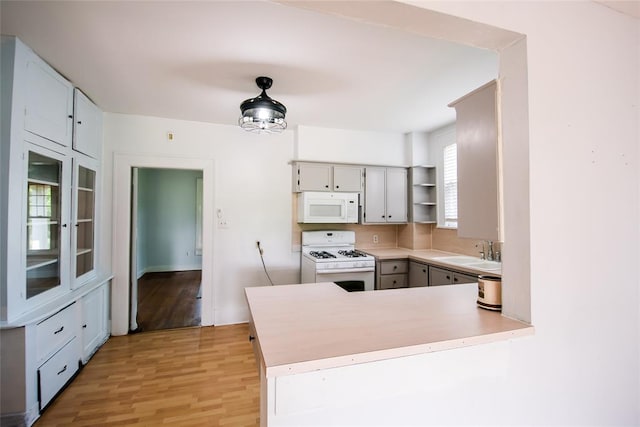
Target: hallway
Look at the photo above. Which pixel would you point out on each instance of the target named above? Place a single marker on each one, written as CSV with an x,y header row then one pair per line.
x,y
169,300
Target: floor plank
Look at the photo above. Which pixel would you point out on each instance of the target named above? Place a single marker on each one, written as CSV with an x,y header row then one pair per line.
x,y
201,376
168,300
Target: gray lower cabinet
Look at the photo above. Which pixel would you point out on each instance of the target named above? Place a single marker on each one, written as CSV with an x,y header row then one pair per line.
x,y
391,274
441,276
418,274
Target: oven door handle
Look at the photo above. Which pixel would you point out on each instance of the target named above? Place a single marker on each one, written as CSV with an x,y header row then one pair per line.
x,y
346,270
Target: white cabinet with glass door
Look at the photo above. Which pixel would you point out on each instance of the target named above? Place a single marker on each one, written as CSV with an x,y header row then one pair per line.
x,y
46,221
83,249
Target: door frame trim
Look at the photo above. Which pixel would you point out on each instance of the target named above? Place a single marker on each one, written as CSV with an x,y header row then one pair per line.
x,y
121,231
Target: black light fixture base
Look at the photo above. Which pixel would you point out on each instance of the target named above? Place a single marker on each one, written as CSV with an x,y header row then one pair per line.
x,y
264,83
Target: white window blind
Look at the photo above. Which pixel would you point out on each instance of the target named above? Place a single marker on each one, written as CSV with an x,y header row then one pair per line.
x,y
450,186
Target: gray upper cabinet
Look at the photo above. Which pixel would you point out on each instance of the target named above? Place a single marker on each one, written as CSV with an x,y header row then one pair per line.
x,y
347,178
327,177
477,145
385,199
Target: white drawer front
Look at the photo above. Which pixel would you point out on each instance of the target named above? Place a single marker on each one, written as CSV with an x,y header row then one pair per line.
x,y
55,331
55,372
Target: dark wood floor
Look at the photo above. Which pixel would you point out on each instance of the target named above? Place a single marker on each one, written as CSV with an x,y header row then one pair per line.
x,y
169,300
203,376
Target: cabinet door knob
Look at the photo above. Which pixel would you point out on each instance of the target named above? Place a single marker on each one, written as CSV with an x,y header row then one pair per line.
x,y
326,186
79,122
70,116
64,225
337,186
84,326
251,338
448,277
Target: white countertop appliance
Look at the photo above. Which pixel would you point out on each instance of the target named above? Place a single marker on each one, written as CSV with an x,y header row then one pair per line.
x,y
330,256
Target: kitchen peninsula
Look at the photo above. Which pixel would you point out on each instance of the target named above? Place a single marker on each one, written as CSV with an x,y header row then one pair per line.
x,y
320,347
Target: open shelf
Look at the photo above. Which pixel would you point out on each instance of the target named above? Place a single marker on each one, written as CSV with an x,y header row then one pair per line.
x,y
423,197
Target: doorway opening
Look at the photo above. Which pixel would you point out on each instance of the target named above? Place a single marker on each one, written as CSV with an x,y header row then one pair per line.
x,y
166,248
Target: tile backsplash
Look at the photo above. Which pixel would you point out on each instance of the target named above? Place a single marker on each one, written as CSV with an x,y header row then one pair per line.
x,y
410,236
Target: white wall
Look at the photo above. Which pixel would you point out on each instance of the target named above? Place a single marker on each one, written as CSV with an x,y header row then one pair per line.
x,y
252,189
352,146
582,365
252,192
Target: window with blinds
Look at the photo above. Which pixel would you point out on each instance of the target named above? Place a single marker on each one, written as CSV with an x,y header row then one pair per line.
x,y
450,170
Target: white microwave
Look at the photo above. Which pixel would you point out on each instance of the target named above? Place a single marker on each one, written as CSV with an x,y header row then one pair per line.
x,y
317,207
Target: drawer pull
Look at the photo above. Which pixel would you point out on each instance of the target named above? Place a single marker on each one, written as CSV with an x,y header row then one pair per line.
x,y
59,330
63,369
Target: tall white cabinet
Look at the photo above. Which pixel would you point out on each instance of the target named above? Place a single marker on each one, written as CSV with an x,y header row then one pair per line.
x,y
53,298
479,201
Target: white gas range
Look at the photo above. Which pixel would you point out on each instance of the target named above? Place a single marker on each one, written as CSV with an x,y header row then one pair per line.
x,y
330,256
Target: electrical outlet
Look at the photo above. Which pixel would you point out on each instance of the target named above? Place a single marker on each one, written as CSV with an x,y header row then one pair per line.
x,y
223,223
375,238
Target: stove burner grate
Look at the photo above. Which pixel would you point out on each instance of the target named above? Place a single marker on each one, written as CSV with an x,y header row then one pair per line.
x,y
321,254
352,253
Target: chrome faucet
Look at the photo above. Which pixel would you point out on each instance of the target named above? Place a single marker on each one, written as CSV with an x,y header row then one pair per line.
x,y
490,251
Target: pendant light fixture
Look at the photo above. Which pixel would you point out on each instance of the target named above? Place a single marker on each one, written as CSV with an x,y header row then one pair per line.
x,y
263,114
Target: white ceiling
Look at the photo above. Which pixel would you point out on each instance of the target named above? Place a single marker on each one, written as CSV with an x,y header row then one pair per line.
x,y
198,61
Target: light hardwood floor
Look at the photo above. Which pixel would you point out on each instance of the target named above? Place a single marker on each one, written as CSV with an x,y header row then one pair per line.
x,y
181,377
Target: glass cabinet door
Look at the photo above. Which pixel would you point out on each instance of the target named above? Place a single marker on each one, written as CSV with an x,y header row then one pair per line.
x,y
44,224
85,212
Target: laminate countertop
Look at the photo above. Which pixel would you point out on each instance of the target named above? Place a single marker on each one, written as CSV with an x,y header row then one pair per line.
x,y
434,257
302,328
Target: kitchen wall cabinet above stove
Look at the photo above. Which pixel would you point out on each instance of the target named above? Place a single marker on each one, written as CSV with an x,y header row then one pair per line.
x,y
327,177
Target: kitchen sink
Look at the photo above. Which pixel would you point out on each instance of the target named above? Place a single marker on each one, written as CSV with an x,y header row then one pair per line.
x,y
486,265
458,259
471,262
